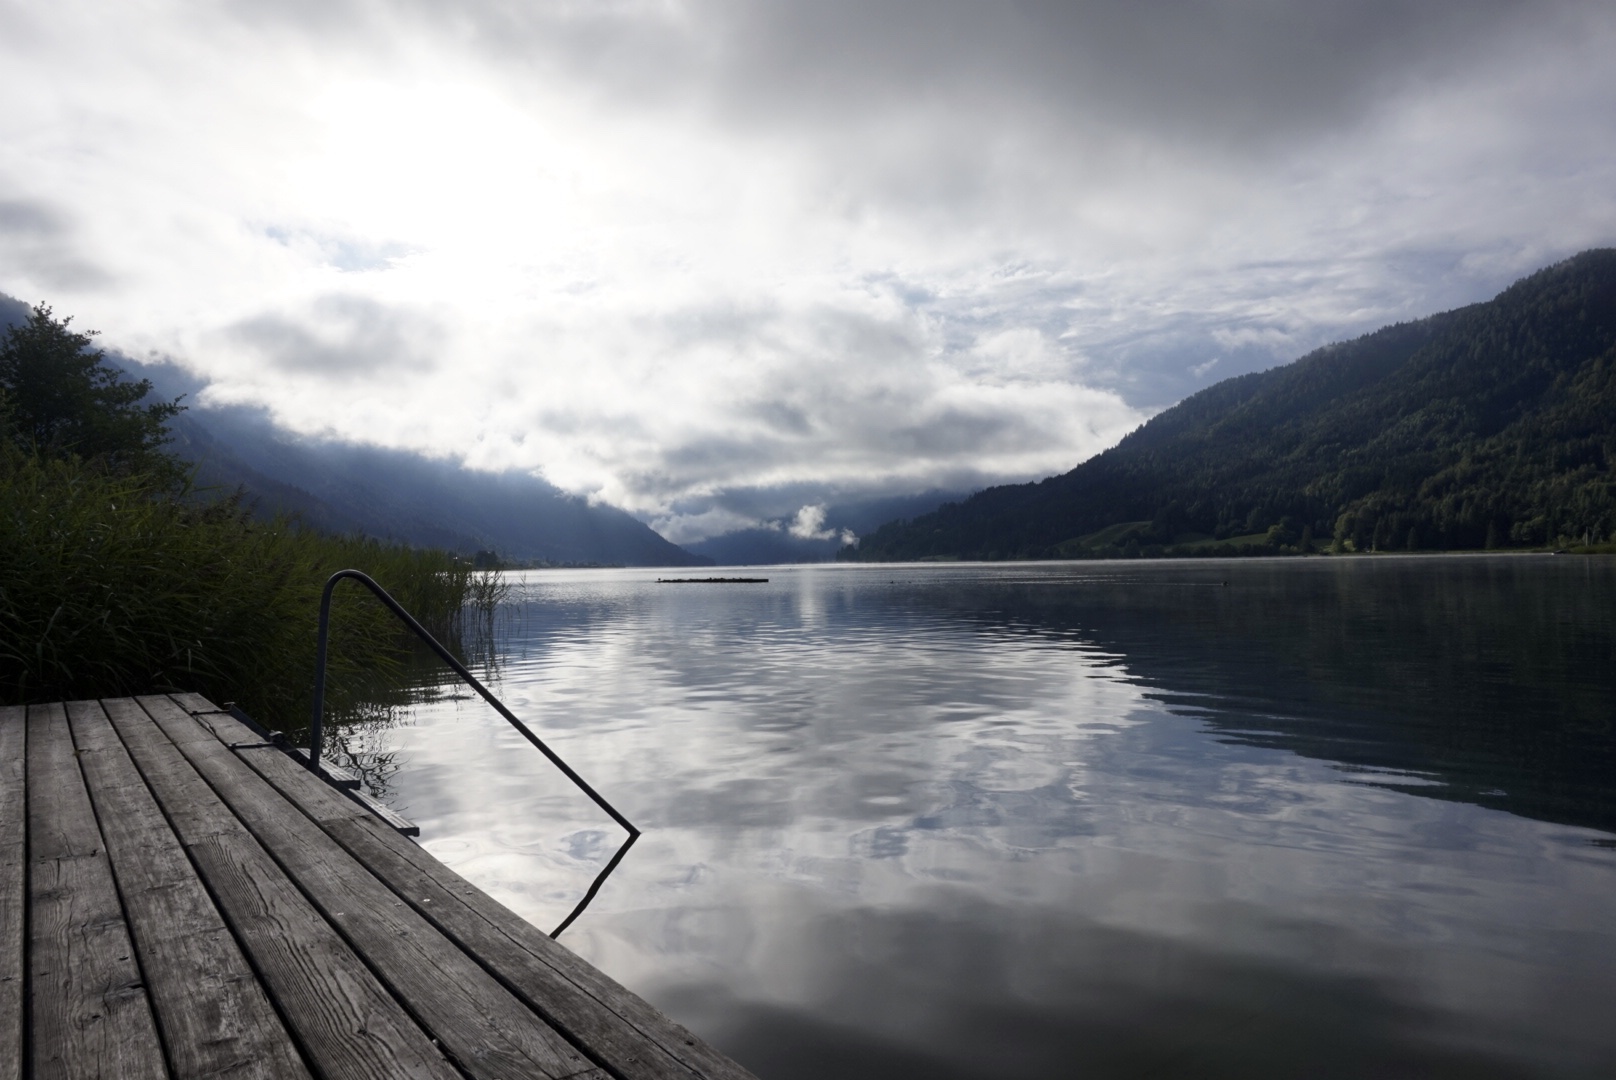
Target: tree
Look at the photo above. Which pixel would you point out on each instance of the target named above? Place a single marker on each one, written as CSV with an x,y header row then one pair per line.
x,y
59,398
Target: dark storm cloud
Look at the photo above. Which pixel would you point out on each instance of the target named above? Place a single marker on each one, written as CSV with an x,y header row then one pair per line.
x,y
1243,69
1237,70
343,337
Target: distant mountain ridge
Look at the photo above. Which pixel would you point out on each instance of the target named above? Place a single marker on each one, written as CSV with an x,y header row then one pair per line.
x,y
397,495
391,494
775,544
1493,425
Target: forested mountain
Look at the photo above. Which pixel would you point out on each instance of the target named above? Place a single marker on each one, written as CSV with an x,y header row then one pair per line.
x,y
1490,426
396,495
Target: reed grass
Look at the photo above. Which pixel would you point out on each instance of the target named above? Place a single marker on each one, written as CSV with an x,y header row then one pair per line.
x,y
112,585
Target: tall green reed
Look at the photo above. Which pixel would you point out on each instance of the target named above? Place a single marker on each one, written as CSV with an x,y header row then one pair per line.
x,y
111,585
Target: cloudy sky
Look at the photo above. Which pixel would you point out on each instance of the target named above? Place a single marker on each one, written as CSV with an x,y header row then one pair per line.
x,y
717,260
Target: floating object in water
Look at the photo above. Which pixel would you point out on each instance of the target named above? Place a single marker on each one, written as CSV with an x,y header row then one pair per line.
x,y
712,580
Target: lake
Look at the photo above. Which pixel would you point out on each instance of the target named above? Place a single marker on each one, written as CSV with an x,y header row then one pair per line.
x,y
1300,817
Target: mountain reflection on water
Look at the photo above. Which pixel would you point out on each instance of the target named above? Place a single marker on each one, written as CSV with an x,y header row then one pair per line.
x,y
1324,817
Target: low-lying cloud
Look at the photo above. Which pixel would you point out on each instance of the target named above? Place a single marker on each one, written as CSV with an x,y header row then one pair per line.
x,y
809,524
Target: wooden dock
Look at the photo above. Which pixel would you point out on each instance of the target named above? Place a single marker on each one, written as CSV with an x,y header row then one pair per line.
x,y
180,898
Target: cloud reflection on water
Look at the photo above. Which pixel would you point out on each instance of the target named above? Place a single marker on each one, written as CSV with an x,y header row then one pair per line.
x,y
956,821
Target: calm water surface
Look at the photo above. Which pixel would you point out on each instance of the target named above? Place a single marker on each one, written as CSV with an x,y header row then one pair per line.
x,y
1292,818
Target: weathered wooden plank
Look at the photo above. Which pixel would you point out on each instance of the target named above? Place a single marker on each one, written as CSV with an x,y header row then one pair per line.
x,y
88,1011
487,1031
386,814
214,1016
345,1022
334,774
604,1034
13,885
614,1025
350,784
195,703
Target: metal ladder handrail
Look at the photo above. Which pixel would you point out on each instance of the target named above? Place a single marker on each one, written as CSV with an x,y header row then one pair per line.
x,y
317,730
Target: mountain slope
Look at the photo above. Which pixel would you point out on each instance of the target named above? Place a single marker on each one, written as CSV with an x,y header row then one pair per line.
x,y
351,488
346,487
1490,426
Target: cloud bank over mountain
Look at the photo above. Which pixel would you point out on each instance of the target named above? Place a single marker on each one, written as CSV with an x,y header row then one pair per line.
x,y
720,262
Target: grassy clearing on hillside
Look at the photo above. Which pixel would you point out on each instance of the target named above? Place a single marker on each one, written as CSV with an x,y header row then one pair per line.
x,y
110,585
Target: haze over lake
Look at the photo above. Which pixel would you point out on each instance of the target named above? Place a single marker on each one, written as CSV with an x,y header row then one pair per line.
x,y
1302,817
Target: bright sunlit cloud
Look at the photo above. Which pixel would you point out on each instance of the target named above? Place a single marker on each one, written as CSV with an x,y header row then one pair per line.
x,y
724,263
